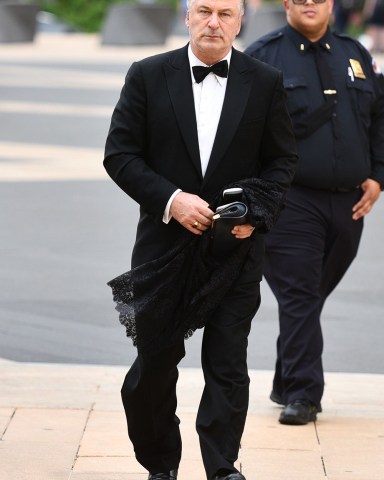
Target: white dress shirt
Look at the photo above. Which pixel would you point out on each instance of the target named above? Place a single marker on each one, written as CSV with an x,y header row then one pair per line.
x,y
209,98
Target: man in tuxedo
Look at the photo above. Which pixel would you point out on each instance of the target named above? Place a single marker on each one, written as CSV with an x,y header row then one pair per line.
x,y
178,137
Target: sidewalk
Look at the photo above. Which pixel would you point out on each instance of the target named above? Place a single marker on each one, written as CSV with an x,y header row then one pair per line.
x,y
66,422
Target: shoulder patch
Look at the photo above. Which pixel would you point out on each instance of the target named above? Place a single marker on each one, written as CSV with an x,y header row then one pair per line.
x,y
376,67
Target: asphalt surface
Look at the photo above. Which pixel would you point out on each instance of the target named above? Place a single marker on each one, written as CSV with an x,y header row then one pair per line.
x,y
63,238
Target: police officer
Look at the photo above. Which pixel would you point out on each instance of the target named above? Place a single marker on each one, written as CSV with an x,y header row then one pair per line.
x,y
336,103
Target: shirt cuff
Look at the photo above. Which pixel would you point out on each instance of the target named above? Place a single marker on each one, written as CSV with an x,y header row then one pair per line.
x,y
167,216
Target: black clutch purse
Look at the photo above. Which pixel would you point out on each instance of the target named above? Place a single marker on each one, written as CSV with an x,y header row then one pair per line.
x,y
223,242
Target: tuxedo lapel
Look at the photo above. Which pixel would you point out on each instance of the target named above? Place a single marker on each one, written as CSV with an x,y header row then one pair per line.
x,y
178,76
236,96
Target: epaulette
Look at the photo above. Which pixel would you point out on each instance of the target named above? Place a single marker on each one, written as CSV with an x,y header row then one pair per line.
x,y
266,39
343,35
348,38
366,54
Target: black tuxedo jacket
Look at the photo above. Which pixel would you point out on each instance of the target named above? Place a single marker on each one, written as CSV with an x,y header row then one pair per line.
x,y
152,146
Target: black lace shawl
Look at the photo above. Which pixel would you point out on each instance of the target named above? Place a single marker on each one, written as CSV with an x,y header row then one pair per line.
x,y
167,299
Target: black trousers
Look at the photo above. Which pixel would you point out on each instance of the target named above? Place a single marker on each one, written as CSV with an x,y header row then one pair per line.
x,y
149,391
307,253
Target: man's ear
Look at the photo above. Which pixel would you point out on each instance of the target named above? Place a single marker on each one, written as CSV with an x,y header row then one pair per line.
x,y
187,19
239,27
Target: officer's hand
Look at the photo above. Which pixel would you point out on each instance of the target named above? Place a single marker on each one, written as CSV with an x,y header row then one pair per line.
x,y
371,190
243,231
192,212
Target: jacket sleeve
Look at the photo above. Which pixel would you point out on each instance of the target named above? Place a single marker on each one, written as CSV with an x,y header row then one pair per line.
x,y
125,149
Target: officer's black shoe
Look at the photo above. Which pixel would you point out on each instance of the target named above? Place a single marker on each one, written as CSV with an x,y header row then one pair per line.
x,y
275,397
299,412
172,475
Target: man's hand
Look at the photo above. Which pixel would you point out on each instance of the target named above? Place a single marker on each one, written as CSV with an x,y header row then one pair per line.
x,y
243,231
191,212
371,190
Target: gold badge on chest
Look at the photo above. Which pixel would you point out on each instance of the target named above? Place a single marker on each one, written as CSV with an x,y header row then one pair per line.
x,y
357,68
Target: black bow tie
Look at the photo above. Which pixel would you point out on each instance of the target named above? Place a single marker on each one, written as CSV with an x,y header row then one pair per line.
x,y
220,69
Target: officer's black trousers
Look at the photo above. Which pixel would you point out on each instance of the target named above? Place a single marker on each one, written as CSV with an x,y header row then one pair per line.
x,y
149,391
307,253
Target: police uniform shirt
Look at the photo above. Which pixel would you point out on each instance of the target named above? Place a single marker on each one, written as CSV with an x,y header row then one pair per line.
x,y
348,147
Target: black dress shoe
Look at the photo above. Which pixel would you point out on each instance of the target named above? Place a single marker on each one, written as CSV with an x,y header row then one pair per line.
x,y
172,475
230,476
299,412
275,397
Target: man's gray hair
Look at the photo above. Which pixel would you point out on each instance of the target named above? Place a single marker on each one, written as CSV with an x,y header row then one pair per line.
x,y
241,5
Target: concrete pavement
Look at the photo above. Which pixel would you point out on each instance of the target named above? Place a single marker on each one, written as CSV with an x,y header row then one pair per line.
x,y
66,422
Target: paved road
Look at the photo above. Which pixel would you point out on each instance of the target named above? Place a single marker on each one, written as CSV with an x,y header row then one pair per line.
x,y
66,229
